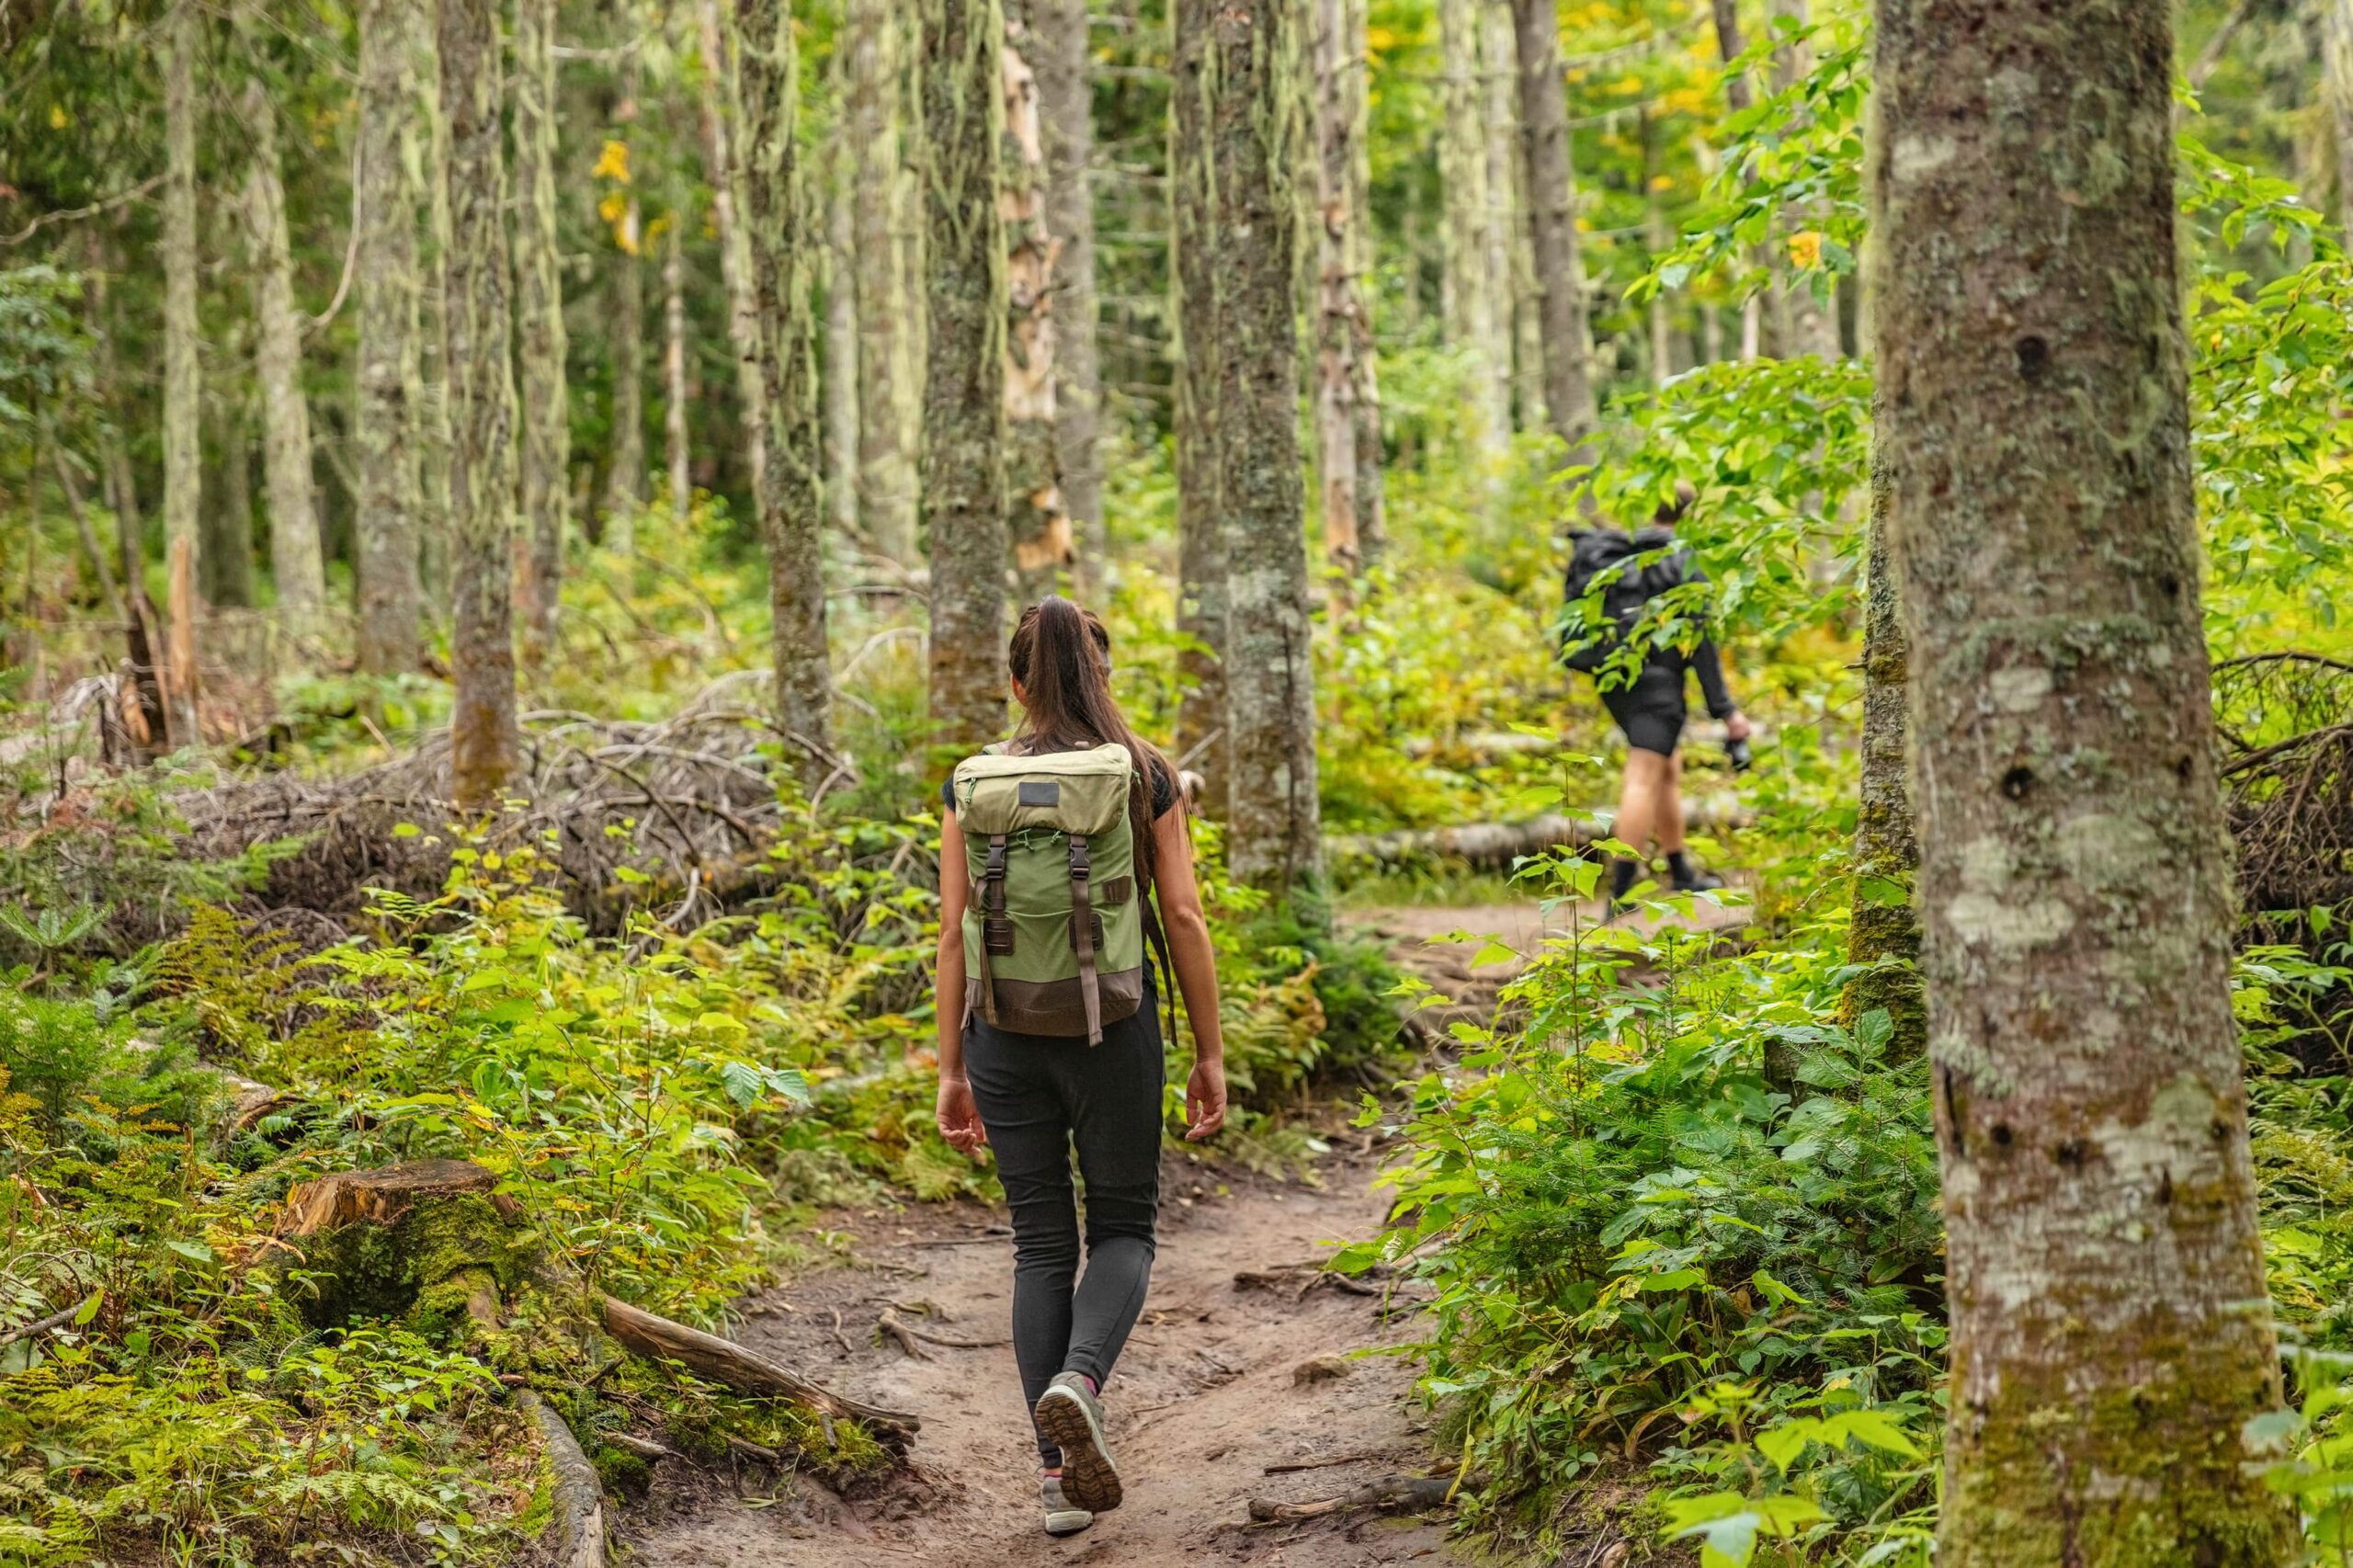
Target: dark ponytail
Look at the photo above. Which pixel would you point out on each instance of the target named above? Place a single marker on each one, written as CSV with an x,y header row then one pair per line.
x,y
1060,655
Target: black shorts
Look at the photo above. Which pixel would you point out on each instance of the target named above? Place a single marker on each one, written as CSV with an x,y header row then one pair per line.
x,y
1651,710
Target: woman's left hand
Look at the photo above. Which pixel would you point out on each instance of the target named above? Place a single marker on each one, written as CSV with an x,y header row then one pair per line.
x,y
1204,1101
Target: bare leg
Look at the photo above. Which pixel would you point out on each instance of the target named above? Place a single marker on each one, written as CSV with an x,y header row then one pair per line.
x,y
1648,779
1669,830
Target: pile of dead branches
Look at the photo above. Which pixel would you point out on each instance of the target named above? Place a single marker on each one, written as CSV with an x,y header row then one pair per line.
x,y
2286,725
677,810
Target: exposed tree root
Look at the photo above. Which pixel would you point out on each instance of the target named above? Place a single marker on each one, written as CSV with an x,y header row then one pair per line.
x,y
1412,1493
578,1528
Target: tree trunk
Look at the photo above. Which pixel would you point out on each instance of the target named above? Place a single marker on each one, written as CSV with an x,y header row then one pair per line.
x,y
625,480
295,563
1035,518
183,383
1552,226
841,353
1335,303
1061,60
1273,837
673,367
1809,324
1657,235
1356,104
1475,259
886,496
225,558
2336,98
431,393
2110,1333
1885,926
718,139
1511,255
792,515
539,344
1738,97
963,397
1194,286
385,533
482,741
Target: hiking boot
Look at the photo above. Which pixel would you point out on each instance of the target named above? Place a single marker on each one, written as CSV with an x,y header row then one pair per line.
x,y
1698,881
1072,1418
1061,1516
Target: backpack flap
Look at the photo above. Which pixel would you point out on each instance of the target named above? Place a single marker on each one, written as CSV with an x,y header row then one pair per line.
x,y
1071,792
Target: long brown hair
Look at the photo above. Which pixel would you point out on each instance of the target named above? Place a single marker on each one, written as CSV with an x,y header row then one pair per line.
x,y
1061,654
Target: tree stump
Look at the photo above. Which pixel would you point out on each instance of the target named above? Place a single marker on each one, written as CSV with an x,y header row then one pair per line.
x,y
426,1240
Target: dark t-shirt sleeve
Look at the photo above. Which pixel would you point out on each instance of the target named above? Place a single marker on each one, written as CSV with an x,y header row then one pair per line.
x,y
1163,790
1709,668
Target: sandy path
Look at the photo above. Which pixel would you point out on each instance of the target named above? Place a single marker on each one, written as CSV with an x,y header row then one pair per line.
x,y
1202,1399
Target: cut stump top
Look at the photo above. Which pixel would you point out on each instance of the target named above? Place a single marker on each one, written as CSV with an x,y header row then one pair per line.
x,y
381,1197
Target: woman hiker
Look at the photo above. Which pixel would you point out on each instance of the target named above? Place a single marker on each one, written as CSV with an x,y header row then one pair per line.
x,y
1072,845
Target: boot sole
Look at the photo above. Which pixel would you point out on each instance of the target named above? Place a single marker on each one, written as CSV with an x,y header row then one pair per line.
x,y
1089,1479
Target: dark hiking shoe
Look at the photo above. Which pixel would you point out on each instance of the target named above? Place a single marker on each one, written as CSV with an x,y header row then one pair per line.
x,y
1699,881
1072,1419
1062,1518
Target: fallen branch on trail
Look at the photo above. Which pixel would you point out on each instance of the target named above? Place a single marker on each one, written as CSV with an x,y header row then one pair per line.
x,y
1301,1277
54,1319
1412,1493
898,1328
1500,843
1294,1467
579,1527
723,1361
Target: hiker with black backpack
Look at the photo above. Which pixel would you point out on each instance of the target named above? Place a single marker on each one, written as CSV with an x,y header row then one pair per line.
x,y
1057,851
1631,570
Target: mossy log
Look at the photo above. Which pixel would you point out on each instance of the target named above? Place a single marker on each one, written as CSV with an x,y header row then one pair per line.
x,y
746,1371
578,1525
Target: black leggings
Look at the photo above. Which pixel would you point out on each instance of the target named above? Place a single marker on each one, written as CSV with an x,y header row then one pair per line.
x,y
1037,1096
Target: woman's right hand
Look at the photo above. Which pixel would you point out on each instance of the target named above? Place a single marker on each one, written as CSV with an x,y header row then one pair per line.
x,y
959,1118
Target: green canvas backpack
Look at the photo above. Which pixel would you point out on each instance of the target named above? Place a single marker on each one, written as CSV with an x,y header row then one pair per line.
x,y
1054,933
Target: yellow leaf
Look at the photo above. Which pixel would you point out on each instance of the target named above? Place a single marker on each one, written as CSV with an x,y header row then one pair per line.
x,y
57,120
612,163
613,208
1805,249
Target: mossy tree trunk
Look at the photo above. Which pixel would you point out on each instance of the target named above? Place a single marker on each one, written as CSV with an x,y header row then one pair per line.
x,y
1036,519
874,46
1883,930
625,290
1061,60
963,401
431,394
674,396
1553,225
295,562
1355,107
720,136
1274,830
478,336
1194,287
792,515
2110,1330
183,378
1474,265
841,387
384,534
545,490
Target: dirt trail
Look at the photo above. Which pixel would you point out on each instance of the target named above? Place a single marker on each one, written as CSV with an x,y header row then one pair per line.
x,y
1203,1399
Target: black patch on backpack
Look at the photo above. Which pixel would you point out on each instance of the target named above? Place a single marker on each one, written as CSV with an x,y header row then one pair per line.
x,y
1042,792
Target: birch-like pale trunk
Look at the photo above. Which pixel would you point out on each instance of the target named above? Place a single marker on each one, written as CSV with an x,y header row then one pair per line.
x,y
1194,286
784,246
1514,251
431,394
1562,313
719,135
296,566
1475,259
888,310
841,353
484,753
2111,1333
2336,100
1809,324
384,533
546,455
674,368
183,378
1062,63
625,285
1655,234
1336,301
1273,834
1356,109
1036,520
964,393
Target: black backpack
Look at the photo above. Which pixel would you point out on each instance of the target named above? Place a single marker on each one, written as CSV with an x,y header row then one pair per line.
x,y
1592,552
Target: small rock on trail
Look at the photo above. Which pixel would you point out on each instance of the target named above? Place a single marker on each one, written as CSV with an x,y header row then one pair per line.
x,y
1203,1400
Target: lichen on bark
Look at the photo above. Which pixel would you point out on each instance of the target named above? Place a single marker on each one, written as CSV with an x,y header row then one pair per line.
x,y
384,533
1194,285
2110,1328
1550,181
539,336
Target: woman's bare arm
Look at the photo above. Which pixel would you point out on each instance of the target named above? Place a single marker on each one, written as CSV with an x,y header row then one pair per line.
x,y
1189,950
959,1119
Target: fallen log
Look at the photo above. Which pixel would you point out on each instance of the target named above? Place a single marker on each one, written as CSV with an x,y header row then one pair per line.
x,y
723,1361
1500,843
578,1528
1412,1492
900,1329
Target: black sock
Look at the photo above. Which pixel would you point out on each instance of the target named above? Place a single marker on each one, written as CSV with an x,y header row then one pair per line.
x,y
1622,873
1679,867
